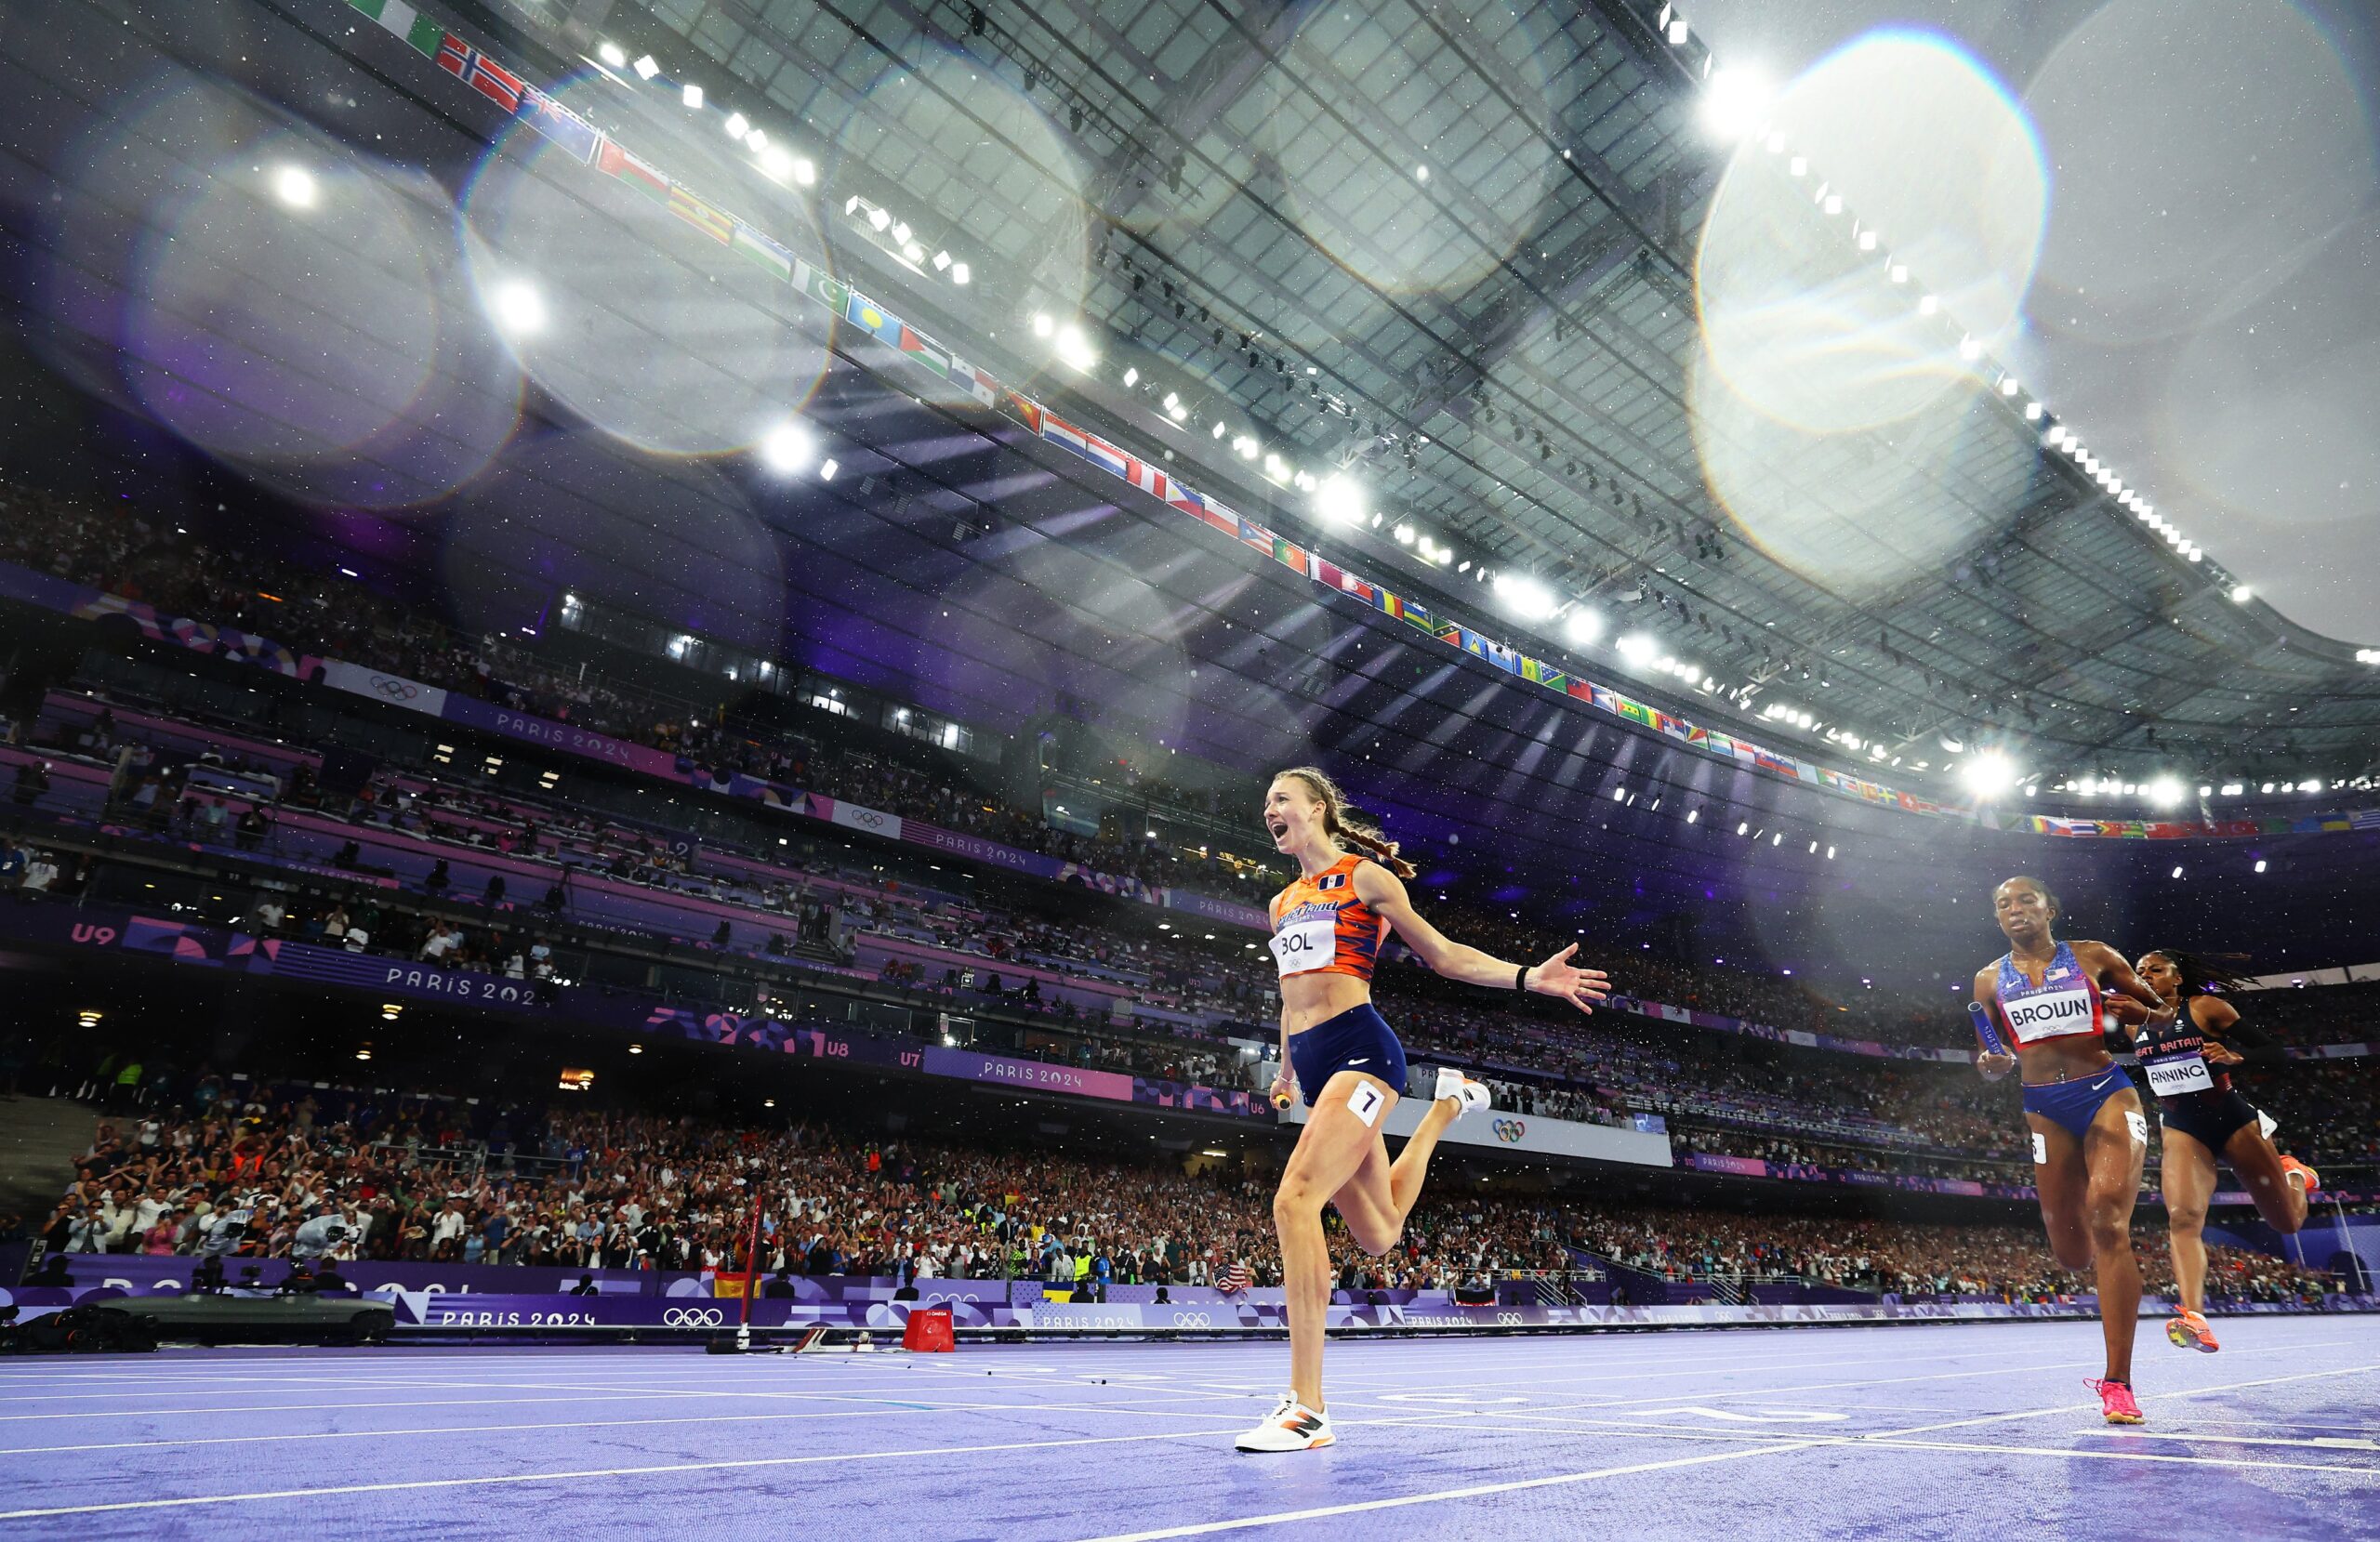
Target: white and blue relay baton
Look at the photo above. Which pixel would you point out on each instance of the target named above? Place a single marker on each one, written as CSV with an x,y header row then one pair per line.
x,y
1982,1016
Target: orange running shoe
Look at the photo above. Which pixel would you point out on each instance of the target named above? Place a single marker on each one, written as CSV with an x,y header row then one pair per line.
x,y
2313,1179
2188,1330
2116,1403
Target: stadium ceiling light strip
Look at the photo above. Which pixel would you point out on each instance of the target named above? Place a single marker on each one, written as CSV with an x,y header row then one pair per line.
x,y
574,136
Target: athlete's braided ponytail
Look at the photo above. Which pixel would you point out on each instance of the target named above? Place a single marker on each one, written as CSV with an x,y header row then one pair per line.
x,y
1342,821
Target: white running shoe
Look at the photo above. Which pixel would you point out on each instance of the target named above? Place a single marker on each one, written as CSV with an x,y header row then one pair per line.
x,y
1291,1426
1454,1084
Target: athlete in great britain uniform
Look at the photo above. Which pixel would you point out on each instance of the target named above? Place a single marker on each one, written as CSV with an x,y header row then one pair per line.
x,y
1328,929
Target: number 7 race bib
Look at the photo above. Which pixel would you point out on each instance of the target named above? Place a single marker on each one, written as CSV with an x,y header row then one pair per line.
x,y
1303,946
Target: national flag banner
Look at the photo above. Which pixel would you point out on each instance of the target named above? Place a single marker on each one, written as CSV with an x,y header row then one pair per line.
x,y
1418,615
758,248
2362,819
1469,641
453,55
1720,743
1148,479
1288,553
395,16
1450,634
713,222
1532,671
1556,681
613,160
1254,534
562,128
872,319
495,83
1697,735
979,386
815,283
1587,692
1389,602
1058,431
1603,697
1025,408
1107,457
918,348
1506,658
1634,711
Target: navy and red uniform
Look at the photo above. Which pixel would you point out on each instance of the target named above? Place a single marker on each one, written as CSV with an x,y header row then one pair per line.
x,y
2192,1096
1320,927
2064,1005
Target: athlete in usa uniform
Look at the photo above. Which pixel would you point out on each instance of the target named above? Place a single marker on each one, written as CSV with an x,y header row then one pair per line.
x,y
2089,1134
1328,926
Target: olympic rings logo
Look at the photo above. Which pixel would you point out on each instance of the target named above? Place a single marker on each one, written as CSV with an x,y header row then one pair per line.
x,y
395,689
1192,1320
868,817
693,1317
1510,1131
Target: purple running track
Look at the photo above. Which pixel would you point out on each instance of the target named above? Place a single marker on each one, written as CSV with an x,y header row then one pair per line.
x,y
1968,1431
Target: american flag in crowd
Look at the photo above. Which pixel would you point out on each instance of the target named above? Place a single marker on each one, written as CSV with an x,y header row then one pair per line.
x,y
1233,1279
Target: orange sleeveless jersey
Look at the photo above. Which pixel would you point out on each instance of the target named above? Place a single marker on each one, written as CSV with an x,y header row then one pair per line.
x,y
1323,909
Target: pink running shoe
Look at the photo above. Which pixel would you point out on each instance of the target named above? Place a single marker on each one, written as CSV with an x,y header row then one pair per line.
x,y
2116,1403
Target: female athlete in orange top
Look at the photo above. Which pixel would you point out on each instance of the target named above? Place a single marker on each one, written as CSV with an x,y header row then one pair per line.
x,y
1328,928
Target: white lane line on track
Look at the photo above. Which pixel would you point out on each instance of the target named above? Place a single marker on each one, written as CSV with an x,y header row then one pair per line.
x,y
2152,1398
740,1464
877,1410
1473,1492
2312,1442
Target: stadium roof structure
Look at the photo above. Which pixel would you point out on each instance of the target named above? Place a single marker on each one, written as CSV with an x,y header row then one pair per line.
x,y
1233,214
1453,256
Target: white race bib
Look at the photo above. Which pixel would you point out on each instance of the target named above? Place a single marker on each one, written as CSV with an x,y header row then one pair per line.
x,y
1303,946
2175,1074
2050,1015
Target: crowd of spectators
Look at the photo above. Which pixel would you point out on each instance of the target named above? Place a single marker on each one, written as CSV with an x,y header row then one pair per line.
x,y
1860,1115
237,1168
1907,1259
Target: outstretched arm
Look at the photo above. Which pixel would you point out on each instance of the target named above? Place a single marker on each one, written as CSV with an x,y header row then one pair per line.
x,y
1384,892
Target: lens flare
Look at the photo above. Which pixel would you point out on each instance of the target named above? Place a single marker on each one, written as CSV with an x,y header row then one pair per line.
x,y
655,329
1805,326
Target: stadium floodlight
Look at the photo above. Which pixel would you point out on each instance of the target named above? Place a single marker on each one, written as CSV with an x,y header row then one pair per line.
x,y
738,125
1678,32
1581,626
787,449
878,219
777,161
1405,538
1834,202
612,55
958,273
941,265
1421,174
1867,240
1074,349
692,96
805,171
1245,445
826,469
1219,429
915,252
1927,305
2260,864
1524,597
1988,774
1042,325
295,186
646,67
2032,411
1133,376
1969,349
2007,384
1735,104
1637,649
2165,792
1339,499
901,233
2241,594
518,308
1798,166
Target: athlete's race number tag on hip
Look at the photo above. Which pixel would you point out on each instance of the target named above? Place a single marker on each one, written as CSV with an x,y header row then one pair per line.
x,y
1365,1103
2172,1076
1305,945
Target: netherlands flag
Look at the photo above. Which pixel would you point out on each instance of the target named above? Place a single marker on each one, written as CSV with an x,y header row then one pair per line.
x,y
1105,456
1059,431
